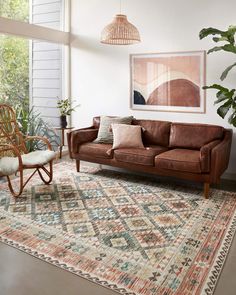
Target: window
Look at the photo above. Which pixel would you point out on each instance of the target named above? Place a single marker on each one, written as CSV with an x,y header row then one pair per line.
x,y
14,70
33,60
15,9
46,13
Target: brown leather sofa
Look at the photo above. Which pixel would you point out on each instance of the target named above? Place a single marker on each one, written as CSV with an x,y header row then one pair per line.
x,y
197,152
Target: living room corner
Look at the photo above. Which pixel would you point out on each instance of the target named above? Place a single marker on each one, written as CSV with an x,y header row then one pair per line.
x,y
108,92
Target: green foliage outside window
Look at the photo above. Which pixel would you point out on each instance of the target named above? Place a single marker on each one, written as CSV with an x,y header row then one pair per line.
x,y
14,57
15,9
14,70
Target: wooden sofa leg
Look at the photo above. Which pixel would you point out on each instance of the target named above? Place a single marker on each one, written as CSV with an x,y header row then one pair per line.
x,y
206,189
77,165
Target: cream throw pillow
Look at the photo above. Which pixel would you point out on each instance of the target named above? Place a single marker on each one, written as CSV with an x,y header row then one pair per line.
x,y
127,136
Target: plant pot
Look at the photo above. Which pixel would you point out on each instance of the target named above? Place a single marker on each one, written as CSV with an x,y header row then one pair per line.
x,y
63,121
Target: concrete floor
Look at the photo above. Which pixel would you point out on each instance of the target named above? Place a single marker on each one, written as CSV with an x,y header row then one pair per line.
x,y
22,274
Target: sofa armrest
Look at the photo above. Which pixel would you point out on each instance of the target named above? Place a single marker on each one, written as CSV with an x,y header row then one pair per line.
x,y
205,155
220,157
80,136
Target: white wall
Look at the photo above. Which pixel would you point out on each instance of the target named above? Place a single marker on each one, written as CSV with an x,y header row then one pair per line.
x,y
100,73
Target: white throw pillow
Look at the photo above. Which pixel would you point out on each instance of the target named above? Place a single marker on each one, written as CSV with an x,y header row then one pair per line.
x,y
127,136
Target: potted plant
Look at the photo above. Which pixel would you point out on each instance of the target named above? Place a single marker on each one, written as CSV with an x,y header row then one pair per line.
x,y
31,124
225,97
65,107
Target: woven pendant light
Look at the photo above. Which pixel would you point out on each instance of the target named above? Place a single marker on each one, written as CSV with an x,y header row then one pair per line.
x,y
120,32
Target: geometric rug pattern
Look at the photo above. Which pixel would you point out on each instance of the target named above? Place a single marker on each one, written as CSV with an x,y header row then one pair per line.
x,y
161,240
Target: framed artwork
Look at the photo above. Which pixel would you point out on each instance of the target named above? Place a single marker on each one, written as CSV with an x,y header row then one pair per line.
x,y
170,82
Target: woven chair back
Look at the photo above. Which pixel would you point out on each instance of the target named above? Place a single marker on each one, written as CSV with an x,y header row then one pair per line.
x,y
10,132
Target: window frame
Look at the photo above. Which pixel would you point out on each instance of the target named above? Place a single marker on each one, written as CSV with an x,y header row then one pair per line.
x,y
36,32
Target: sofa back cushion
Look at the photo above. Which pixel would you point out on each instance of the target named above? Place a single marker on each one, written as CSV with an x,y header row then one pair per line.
x,y
155,132
194,136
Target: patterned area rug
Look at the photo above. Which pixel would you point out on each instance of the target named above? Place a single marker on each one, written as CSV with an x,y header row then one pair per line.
x,y
129,233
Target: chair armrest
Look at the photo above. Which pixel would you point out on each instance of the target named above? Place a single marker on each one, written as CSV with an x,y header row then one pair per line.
x,y
205,155
44,139
220,157
80,136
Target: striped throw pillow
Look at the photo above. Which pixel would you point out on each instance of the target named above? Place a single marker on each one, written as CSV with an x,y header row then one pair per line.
x,y
105,134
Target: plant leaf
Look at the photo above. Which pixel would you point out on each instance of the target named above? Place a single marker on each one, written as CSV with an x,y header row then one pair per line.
x,y
216,48
216,86
230,34
223,110
226,47
221,98
229,48
232,119
209,31
229,93
219,39
222,94
226,71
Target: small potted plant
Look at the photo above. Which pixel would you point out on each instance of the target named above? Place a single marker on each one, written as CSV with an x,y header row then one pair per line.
x,y
65,107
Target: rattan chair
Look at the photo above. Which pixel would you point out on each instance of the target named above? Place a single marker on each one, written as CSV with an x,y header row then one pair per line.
x,y
14,157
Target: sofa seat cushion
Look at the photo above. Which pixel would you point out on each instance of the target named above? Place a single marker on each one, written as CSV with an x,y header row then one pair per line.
x,y
142,156
180,160
97,150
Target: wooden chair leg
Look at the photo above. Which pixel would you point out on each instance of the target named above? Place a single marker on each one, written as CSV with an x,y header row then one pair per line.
x,y
206,189
13,192
78,165
49,173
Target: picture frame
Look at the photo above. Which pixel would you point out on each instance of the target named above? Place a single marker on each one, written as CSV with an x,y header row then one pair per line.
x,y
168,82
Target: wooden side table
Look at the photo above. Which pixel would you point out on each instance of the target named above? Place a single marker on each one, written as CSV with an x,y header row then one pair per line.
x,y
62,130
